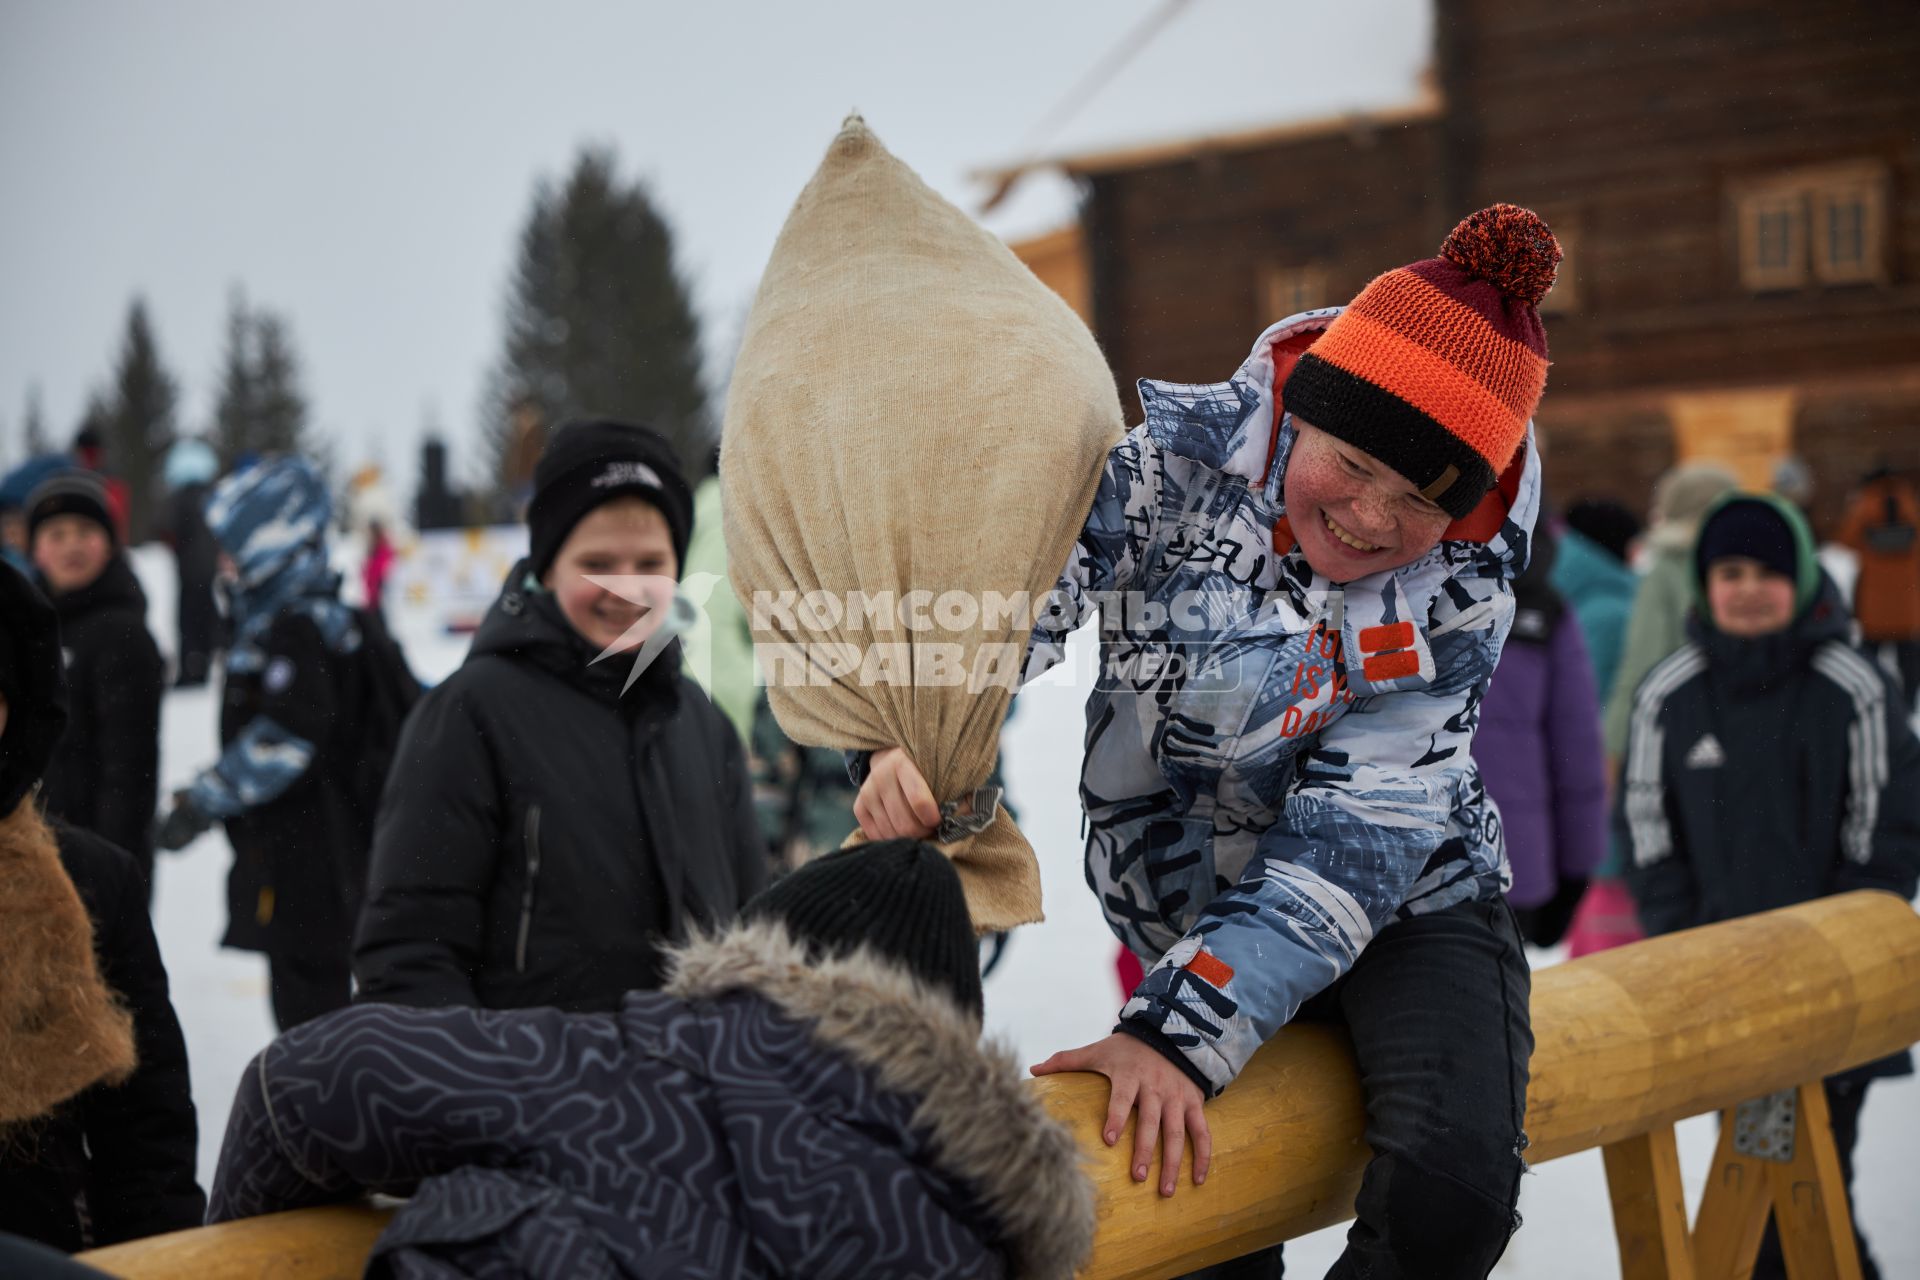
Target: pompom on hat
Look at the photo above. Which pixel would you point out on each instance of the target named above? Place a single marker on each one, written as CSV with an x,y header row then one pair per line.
x,y
1437,366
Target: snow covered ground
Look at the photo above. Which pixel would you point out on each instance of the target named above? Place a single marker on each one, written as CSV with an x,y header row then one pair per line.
x,y
1054,989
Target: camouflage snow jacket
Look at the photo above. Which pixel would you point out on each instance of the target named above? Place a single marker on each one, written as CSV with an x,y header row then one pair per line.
x,y
1276,765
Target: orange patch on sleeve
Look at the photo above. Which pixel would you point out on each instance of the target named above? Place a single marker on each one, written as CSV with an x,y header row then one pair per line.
x,y
1210,969
1391,635
1392,666
1283,538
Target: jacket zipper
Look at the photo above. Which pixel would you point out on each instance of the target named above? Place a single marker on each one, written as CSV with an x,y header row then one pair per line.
x,y
526,898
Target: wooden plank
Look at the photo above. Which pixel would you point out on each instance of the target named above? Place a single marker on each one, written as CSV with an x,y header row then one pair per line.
x,y
306,1244
1625,1041
1733,1212
1810,1198
1649,1207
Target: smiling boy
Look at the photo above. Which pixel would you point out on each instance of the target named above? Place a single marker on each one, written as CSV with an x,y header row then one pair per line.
x,y
1769,761
1301,831
568,801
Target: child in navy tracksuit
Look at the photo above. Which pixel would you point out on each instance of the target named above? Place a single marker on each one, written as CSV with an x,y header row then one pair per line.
x,y
1769,761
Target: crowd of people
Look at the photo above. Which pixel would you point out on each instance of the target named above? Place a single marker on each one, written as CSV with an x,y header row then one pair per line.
x,y
521,924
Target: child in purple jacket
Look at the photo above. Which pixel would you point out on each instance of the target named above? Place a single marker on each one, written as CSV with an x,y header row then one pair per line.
x,y
1540,752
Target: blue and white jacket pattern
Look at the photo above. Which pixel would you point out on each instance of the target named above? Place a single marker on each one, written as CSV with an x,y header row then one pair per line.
x,y
1258,814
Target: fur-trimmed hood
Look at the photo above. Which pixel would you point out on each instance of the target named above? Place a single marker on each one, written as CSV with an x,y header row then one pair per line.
x,y
985,1125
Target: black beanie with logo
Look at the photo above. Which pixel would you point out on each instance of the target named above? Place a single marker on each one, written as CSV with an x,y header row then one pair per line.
x,y
588,463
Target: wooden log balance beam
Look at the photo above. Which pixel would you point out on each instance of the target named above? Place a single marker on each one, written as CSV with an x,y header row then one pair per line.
x,y
1627,1042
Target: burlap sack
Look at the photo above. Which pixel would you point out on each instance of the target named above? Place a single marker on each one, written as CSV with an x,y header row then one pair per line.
x,y
61,1029
911,411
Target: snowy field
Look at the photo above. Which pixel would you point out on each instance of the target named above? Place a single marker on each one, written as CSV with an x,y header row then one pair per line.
x,y
1054,989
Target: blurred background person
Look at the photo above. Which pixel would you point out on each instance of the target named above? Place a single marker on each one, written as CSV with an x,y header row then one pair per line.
x,y
15,488
1793,480
376,566
89,453
719,643
1539,750
287,783
104,777
190,470
97,1128
1882,528
1592,570
1769,762
553,820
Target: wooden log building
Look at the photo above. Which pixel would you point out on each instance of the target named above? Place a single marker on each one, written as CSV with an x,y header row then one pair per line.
x,y
1736,184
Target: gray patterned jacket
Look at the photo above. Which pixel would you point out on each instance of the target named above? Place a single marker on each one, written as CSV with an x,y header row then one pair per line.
x,y
764,1115
1257,814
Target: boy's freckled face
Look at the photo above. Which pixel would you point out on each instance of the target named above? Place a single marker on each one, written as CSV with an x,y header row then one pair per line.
x,y
626,537
1747,599
1351,513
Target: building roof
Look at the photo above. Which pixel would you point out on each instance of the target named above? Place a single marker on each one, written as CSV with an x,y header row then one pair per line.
x,y
1430,105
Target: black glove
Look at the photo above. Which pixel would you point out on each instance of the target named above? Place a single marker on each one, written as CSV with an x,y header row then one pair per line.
x,y
1551,918
183,826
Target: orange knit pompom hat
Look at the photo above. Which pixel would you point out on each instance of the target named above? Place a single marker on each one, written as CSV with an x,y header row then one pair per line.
x,y
1437,366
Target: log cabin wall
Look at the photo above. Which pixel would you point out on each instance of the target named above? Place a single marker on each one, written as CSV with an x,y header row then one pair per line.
x,y
1656,135
1646,128
1183,252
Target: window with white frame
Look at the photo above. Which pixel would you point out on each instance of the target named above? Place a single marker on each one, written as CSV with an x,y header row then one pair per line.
x,y
1773,240
1848,219
1824,226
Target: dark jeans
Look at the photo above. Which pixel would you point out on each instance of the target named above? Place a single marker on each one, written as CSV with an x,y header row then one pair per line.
x,y
306,986
1437,1008
1844,1098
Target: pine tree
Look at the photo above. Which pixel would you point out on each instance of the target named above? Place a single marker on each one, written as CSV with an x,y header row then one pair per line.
x,y
599,324
281,406
233,413
139,418
35,427
261,407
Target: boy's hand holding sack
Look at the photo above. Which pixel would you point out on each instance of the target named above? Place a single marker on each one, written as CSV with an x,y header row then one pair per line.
x,y
914,432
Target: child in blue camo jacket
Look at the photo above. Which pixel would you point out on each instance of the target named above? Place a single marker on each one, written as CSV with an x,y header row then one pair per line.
x,y
284,784
1290,824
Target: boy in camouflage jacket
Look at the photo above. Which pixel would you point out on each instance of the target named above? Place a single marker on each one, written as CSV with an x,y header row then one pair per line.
x,y
1289,823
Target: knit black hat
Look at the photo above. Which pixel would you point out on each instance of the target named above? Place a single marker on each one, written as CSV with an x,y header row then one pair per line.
x,y
1606,523
69,493
588,463
900,897
1762,527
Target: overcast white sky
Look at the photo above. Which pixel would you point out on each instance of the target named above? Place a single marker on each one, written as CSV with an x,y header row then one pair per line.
x,y
364,168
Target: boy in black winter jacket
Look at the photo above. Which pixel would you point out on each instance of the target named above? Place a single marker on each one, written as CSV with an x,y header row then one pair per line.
x,y
104,776
568,801
97,1128
1769,761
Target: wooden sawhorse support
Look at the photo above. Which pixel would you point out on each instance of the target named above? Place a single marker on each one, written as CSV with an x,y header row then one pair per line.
x,y
1776,1157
